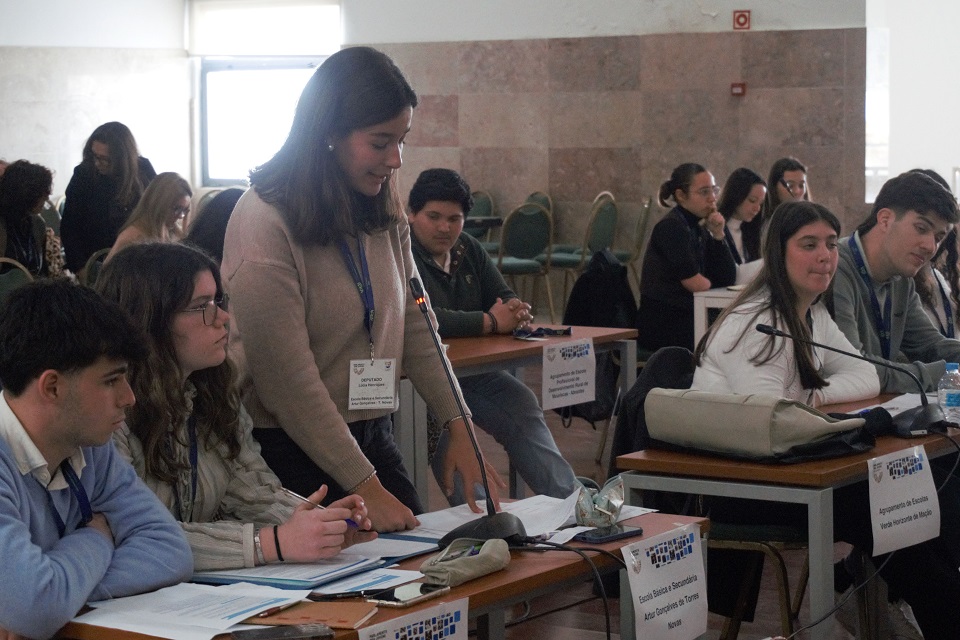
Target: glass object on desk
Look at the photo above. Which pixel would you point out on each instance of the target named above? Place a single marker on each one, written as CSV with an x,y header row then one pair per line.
x,y
948,392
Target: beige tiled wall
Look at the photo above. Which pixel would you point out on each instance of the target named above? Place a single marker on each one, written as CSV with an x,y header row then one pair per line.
x,y
577,116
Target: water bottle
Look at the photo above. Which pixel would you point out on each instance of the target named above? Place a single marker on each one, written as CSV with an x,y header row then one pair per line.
x,y
948,391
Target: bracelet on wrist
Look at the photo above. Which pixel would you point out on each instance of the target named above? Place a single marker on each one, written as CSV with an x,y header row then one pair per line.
x,y
276,543
493,323
258,548
363,482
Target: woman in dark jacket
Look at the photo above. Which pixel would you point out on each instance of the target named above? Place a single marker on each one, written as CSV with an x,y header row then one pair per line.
x,y
104,189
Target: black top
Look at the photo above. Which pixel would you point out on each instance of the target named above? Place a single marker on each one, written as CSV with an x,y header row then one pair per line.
x,y
680,248
91,217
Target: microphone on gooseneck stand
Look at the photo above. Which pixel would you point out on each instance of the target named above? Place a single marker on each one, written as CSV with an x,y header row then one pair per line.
x,y
918,421
493,525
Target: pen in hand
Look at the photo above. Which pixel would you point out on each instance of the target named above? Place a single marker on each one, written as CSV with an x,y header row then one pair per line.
x,y
297,496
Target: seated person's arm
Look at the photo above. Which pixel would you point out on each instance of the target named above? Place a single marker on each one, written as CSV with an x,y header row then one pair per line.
x,y
696,283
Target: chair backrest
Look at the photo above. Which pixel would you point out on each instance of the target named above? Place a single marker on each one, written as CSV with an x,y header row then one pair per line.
x,y
51,217
482,205
542,199
16,276
602,227
527,232
90,271
640,230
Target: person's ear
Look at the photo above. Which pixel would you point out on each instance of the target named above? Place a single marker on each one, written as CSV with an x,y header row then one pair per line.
x,y
50,385
885,218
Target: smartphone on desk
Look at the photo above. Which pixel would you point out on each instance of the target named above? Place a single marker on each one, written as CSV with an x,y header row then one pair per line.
x,y
408,594
319,631
608,534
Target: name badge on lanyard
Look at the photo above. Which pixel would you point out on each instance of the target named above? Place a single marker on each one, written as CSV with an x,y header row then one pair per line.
x,y
76,488
881,316
373,380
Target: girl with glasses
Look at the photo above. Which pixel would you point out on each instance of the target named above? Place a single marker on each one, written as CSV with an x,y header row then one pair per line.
x,y
686,253
188,436
318,259
159,215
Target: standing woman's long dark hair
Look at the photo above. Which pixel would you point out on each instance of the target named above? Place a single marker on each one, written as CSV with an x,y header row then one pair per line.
x,y
124,161
774,281
355,88
153,282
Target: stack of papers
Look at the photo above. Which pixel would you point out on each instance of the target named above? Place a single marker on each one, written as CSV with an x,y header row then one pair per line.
x,y
293,575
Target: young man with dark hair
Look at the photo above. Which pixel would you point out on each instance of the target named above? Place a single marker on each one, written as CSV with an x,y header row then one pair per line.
x,y
76,524
470,298
873,298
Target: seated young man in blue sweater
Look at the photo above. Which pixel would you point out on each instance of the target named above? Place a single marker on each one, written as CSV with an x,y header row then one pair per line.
x,y
470,298
76,524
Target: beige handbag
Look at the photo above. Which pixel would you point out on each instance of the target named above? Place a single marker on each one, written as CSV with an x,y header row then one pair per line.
x,y
752,426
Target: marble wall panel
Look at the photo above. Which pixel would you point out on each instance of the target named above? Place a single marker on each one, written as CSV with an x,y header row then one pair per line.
x,y
509,175
680,61
504,66
596,64
580,174
794,58
504,119
436,122
596,119
430,68
417,159
792,117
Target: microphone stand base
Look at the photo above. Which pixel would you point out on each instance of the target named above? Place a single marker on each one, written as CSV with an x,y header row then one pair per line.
x,y
919,421
499,526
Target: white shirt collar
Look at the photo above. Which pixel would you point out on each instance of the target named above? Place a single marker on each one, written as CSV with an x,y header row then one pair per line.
x,y
27,455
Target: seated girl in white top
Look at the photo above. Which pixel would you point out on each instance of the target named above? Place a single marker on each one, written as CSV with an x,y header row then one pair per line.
x,y
800,259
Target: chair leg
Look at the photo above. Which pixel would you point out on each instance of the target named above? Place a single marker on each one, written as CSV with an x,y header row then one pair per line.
x,y
783,587
546,277
801,586
604,430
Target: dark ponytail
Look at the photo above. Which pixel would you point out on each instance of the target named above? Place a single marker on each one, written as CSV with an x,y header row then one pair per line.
x,y
681,178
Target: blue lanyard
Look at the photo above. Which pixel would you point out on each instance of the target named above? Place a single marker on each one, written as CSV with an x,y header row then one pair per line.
x,y
76,488
361,278
948,331
882,319
177,503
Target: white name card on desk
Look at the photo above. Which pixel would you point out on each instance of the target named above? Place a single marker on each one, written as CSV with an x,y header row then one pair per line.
x,y
668,585
904,508
569,373
445,621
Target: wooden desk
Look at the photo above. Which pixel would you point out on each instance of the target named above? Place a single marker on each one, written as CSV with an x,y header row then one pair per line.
x,y
809,483
483,354
528,575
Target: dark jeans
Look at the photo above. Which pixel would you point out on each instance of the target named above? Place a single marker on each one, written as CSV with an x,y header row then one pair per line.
x,y
298,472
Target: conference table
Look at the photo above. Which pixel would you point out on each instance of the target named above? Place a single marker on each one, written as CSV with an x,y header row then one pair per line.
x,y
529,574
482,354
808,483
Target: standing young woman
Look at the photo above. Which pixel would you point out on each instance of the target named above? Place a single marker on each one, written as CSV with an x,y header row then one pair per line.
x,y
740,203
188,436
800,258
686,253
159,214
104,189
317,257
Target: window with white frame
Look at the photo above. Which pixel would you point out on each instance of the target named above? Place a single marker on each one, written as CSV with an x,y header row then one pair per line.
x,y
255,57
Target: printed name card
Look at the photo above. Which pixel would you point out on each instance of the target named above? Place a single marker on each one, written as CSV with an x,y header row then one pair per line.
x,y
446,621
668,585
904,507
373,384
569,373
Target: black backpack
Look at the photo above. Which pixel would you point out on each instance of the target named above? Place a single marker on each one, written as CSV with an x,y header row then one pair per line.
x,y
601,297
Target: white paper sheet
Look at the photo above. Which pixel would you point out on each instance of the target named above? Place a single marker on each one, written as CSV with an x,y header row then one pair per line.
x,y
376,579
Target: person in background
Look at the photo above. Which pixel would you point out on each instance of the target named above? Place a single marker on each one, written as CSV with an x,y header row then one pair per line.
x,y
740,202
208,227
801,252
686,253
314,313
24,237
104,189
159,215
76,525
873,298
938,281
787,182
470,298
189,437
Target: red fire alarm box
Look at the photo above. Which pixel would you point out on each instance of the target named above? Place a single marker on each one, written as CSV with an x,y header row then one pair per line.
x,y
741,20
